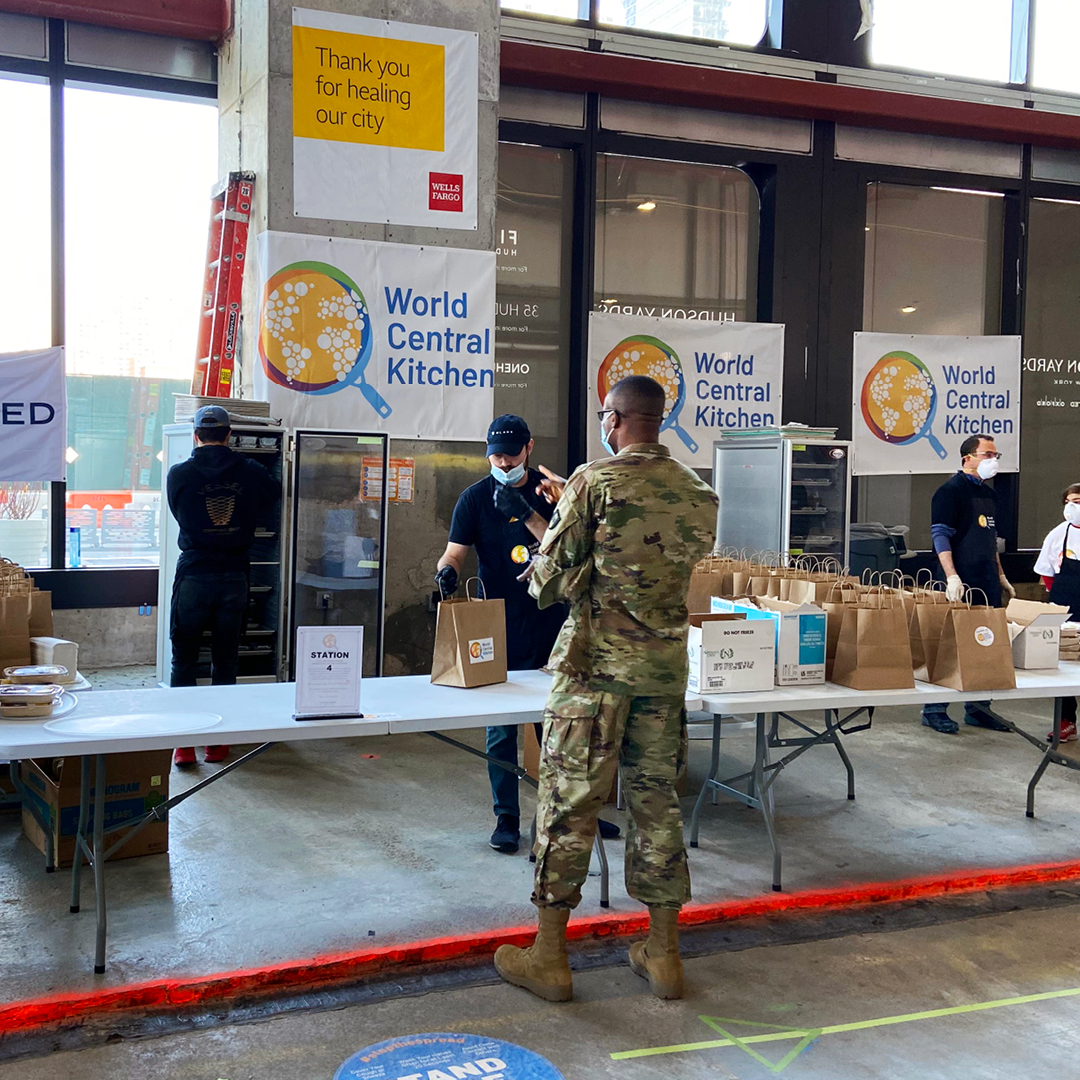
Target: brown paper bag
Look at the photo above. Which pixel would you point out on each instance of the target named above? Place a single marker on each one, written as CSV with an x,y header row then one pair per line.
x,y
41,620
837,598
925,623
872,651
974,652
711,577
14,631
470,643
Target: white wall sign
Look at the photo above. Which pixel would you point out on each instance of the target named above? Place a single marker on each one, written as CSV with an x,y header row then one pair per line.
x,y
385,337
384,121
329,664
716,376
917,397
33,416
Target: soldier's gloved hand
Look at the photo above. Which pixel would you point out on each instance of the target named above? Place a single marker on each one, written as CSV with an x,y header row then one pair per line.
x,y
954,588
511,503
1006,587
447,580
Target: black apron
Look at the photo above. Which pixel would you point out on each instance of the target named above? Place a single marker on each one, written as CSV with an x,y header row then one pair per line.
x,y
1066,587
975,553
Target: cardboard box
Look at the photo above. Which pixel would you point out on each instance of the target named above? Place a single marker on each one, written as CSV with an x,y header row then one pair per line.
x,y
800,636
1038,644
730,653
134,784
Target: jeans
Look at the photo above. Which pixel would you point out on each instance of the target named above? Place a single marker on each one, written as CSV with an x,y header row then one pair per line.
x,y
214,602
502,745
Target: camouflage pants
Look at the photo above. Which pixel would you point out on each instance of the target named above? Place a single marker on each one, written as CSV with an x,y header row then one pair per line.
x,y
588,737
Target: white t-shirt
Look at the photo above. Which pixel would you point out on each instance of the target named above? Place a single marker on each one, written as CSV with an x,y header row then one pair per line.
x,y
1049,561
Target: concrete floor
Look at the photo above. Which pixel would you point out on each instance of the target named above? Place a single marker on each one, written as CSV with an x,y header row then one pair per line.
x,y
315,848
815,985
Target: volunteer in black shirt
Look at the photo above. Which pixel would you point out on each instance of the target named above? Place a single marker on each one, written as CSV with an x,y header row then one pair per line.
x,y
504,518
963,525
218,497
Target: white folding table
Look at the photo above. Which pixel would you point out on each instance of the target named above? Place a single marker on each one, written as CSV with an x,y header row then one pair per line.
x,y
841,707
253,713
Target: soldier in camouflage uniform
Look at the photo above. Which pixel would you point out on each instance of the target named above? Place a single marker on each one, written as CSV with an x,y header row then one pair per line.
x,y
625,536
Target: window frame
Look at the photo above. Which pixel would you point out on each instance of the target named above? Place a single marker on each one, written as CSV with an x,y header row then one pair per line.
x,y
85,586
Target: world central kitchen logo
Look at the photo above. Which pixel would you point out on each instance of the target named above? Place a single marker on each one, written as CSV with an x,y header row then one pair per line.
x,y
316,336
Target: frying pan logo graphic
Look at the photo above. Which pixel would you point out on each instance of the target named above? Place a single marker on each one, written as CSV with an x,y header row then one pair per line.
x,y
899,400
315,333
643,355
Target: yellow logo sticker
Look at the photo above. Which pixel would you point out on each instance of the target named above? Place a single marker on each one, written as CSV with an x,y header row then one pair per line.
x,y
982,520
520,554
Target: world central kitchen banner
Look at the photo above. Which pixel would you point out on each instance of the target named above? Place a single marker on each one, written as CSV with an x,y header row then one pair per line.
x,y
384,121
715,376
382,337
917,397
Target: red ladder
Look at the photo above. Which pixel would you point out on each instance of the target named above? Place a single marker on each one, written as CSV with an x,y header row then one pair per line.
x,y
219,326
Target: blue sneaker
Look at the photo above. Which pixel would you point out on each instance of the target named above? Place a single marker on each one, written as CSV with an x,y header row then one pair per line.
x,y
941,722
985,720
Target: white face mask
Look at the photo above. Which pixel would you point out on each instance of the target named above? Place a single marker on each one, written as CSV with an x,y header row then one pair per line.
x,y
988,468
1072,513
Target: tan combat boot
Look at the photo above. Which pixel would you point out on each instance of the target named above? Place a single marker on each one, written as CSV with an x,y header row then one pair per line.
x,y
543,968
657,958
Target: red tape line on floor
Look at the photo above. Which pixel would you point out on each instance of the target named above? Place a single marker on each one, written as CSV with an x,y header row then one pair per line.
x,y
341,968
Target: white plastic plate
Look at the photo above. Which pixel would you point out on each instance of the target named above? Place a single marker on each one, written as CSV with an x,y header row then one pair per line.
x,y
105,727
67,703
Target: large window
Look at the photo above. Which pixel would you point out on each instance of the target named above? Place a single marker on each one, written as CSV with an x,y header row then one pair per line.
x,y
533,229
676,239
933,266
740,22
1050,387
25,287
563,9
968,38
1057,30
134,251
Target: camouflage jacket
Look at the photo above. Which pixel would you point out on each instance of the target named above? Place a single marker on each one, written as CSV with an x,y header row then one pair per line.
x,y
620,548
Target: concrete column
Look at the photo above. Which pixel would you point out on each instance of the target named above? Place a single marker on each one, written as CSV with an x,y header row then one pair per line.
x,y
255,100
255,103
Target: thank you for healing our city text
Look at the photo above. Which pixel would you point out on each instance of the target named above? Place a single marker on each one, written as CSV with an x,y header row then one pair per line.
x,y
362,89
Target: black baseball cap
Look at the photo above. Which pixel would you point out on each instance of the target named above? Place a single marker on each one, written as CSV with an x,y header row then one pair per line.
x,y
508,434
210,417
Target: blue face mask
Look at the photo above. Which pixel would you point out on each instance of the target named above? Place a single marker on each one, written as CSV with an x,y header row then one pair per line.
x,y
604,441
509,478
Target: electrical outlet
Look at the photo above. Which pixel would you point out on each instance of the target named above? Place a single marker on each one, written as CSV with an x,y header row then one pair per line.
x,y
326,601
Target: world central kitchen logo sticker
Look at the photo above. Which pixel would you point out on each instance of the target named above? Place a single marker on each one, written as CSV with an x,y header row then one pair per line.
x,y
316,332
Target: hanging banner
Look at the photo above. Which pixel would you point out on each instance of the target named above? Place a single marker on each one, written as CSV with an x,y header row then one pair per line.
x,y
33,416
384,121
917,397
389,337
715,375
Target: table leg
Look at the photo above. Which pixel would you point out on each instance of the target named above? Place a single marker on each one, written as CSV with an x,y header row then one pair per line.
x,y
1054,742
714,768
601,852
99,864
835,740
765,802
84,813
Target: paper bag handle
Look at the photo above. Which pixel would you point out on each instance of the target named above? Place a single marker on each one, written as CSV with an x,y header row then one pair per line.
x,y
480,589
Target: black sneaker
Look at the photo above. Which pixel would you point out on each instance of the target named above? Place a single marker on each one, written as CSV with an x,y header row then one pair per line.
x,y
985,720
507,835
941,722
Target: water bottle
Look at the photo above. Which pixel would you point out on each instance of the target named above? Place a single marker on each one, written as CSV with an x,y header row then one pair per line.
x,y
74,547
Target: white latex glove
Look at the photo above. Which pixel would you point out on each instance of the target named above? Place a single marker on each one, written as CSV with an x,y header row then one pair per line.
x,y
954,588
1006,586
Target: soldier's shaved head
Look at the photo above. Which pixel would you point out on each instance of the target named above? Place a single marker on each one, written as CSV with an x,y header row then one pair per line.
x,y
638,396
